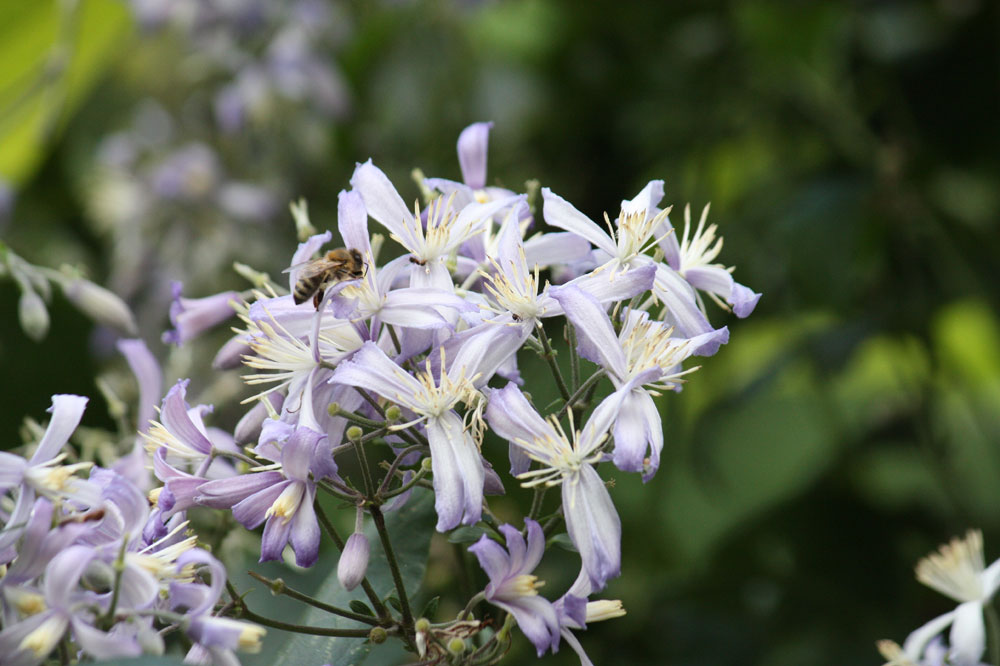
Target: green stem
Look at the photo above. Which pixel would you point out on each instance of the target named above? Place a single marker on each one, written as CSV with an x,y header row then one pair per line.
x,y
391,472
366,474
550,357
278,587
467,611
417,478
590,382
301,628
380,609
341,494
119,568
536,502
394,568
357,418
992,632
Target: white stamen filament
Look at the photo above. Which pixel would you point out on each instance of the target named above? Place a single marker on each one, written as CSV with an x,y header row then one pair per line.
x,y
288,502
956,568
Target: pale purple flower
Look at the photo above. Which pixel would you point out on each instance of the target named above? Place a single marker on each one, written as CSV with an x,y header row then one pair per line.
x,y
638,227
568,460
576,611
456,463
429,238
514,588
693,257
66,607
182,432
43,474
191,317
642,347
283,498
216,636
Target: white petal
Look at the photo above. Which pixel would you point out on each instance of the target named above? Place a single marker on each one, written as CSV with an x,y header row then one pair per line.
x,y
560,213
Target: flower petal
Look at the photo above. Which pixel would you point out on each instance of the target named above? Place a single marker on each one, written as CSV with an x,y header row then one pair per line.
x,y
305,535
67,410
560,213
598,341
593,525
383,202
473,143
352,222
458,472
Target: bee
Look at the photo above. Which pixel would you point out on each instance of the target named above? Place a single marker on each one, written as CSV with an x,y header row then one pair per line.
x,y
317,275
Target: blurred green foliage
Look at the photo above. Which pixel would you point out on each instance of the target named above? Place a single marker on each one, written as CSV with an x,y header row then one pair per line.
x,y
850,154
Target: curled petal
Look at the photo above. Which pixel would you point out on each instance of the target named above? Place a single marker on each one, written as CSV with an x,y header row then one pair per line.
x,y
66,410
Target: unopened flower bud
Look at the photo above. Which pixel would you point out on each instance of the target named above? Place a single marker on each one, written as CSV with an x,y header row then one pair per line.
x,y
425,464
353,561
393,413
354,433
101,305
33,314
333,408
377,635
99,576
422,625
456,646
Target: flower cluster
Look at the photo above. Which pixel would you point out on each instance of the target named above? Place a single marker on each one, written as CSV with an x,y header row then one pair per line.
x,y
411,361
87,561
422,351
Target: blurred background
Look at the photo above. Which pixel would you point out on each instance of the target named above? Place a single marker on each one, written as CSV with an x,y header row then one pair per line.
x,y
850,153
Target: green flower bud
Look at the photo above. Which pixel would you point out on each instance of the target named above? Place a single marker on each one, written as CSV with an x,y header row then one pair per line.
x,y
33,314
422,625
377,635
456,646
354,433
393,413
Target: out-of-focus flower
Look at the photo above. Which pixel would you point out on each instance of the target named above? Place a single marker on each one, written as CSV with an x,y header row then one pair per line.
x,y
191,317
42,474
101,305
514,588
958,571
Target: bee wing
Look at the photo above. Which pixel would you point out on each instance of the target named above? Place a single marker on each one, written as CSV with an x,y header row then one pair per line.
x,y
308,269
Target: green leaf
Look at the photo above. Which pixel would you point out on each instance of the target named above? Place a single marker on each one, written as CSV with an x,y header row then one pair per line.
x,y
431,608
359,606
410,529
53,55
394,602
563,541
466,534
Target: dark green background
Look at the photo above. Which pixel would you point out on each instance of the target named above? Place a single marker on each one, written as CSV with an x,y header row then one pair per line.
x,y
850,154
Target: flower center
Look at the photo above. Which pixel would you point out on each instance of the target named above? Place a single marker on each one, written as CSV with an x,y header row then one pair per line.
x,y
956,568
288,502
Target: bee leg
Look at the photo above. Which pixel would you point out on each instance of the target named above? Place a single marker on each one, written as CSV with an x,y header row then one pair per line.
x,y
318,297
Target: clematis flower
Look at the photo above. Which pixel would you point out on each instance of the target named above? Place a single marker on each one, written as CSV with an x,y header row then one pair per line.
x,y
64,607
514,588
182,433
639,226
455,460
215,637
693,257
281,497
643,347
42,474
576,611
429,242
957,570
567,461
